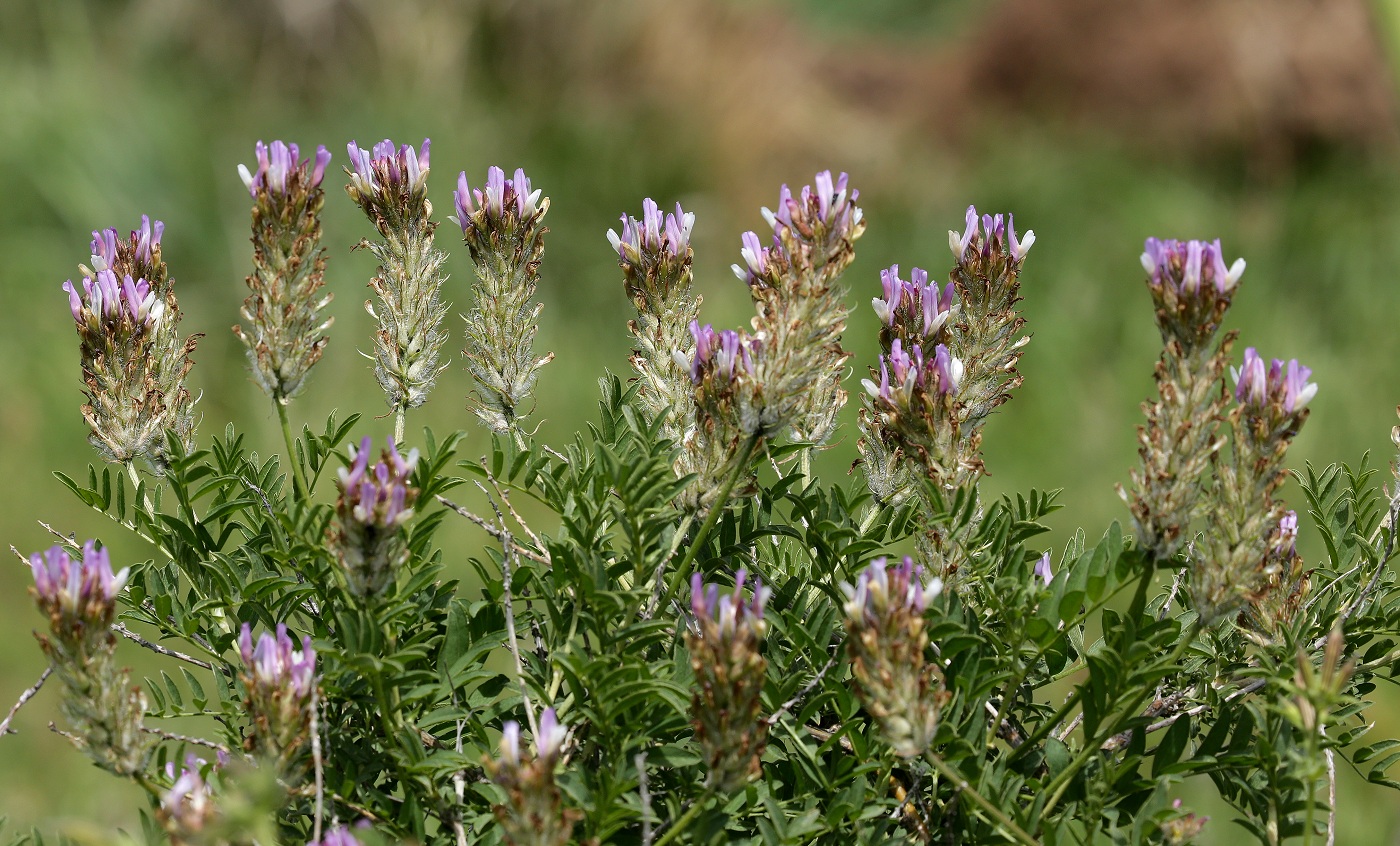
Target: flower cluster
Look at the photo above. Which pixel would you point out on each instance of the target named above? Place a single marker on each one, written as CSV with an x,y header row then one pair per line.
x,y
338,836
1191,289
280,680
188,807
801,311
79,597
988,337
390,186
533,813
375,501
913,412
655,255
1272,397
1252,555
134,362
886,643
729,676
285,336
1274,602
502,225
914,311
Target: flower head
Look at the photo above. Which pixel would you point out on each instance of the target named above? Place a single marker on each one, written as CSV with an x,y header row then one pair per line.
x,y
917,307
1285,387
275,664
990,235
389,183
884,587
499,196
79,595
731,611
653,233
111,305
826,212
337,836
188,806
379,495
1187,265
1043,572
280,168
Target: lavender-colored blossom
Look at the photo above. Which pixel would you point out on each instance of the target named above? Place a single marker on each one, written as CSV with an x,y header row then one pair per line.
x,y
499,195
912,370
387,167
725,353
275,665
1188,265
829,207
731,610
916,304
378,495
653,232
756,259
189,803
1285,384
105,299
997,234
1288,533
277,162
338,836
149,239
84,588
1043,571
883,587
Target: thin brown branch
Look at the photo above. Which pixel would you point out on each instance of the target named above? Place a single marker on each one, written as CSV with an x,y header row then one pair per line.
x,y
184,738
492,529
121,629
806,689
507,546
24,697
317,762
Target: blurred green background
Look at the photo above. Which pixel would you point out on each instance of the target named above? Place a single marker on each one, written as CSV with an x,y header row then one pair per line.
x,y
1269,123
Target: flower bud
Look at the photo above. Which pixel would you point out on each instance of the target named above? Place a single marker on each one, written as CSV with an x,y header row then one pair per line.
x,y
286,330
503,228
187,808
279,680
886,643
729,677
79,596
533,813
374,503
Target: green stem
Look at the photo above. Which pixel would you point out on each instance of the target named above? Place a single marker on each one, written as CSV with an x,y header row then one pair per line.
x,y
136,483
1007,825
400,412
741,464
298,480
684,821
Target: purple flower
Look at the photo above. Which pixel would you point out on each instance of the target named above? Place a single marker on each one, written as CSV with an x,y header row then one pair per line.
x,y
104,299
911,370
378,495
653,233
1283,384
77,589
725,353
1287,542
883,588
731,610
499,195
828,211
189,802
104,247
275,665
148,239
1043,571
548,744
277,162
756,258
1187,265
388,168
917,304
997,234
338,836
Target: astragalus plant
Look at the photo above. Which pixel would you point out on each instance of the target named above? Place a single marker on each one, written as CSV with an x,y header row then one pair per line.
x,y
700,641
